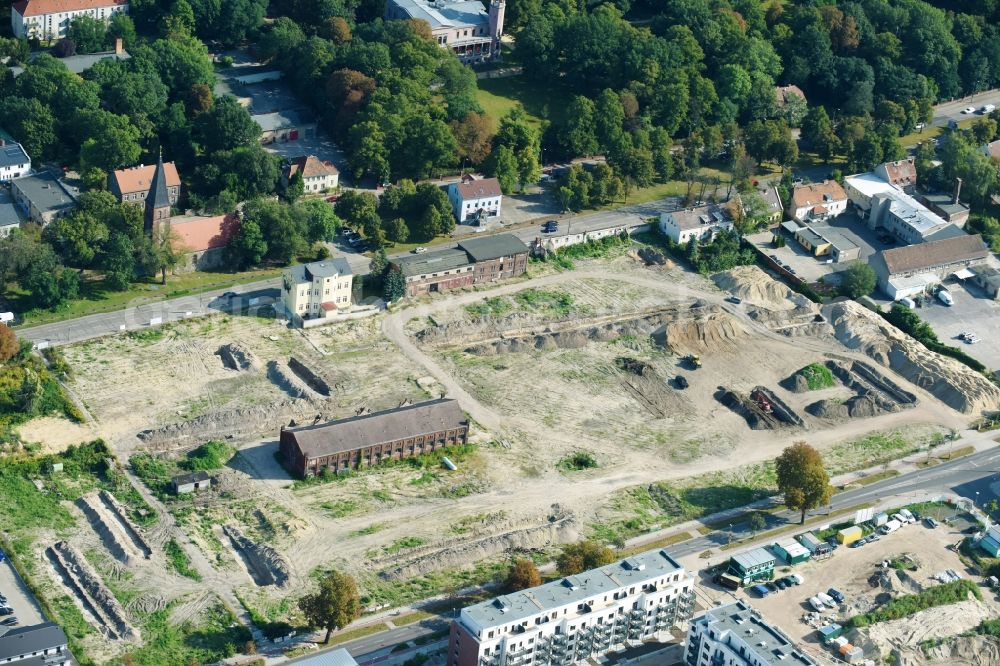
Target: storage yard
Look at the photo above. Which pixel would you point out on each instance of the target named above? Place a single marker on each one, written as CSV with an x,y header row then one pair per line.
x,y
590,359
917,555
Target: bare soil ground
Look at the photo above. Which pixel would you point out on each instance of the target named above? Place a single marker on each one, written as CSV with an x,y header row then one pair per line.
x,y
397,528
55,433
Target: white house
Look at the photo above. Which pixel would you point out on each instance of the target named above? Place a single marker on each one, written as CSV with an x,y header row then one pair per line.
x,y
703,223
14,162
317,290
475,201
818,201
50,19
317,176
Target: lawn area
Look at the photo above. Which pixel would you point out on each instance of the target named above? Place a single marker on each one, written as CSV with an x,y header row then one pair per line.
x,y
540,101
95,297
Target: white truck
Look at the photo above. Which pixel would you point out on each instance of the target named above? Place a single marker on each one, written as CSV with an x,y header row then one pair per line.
x,y
890,527
988,108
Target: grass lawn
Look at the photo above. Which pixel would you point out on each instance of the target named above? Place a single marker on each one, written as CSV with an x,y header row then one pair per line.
x,y
540,101
95,297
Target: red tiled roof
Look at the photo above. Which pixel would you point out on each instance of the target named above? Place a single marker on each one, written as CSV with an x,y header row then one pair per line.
x,y
328,305
820,210
901,172
197,234
817,193
311,167
479,189
138,179
42,7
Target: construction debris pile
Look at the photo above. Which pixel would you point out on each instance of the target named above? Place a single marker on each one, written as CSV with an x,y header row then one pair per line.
x,y
762,409
874,393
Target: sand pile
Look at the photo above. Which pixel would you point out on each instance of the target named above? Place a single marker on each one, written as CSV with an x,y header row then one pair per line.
x,y
703,331
963,651
939,622
951,382
756,287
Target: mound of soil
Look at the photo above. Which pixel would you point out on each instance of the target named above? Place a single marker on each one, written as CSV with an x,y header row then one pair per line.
x,y
756,287
956,385
237,357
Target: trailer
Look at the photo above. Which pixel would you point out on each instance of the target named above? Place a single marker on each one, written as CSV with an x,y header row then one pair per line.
x,y
849,535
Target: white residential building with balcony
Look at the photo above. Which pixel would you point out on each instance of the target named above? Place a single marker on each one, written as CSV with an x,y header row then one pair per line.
x,y
576,618
738,635
317,290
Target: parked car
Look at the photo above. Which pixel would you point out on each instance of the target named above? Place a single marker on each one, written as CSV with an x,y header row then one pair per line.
x,y
905,513
789,581
6,610
761,590
860,542
907,302
826,599
834,544
930,522
735,300
771,587
901,518
988,108
836,594
797,578
419,250
817,604
10,621
781,584
969,109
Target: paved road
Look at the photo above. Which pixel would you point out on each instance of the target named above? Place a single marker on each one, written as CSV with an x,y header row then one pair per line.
x,y
964,476
953,110
267,291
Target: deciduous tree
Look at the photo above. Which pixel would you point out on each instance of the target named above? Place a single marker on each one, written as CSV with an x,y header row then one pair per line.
x,y
802,479
523,574
858,280
582,556
335,605
8,343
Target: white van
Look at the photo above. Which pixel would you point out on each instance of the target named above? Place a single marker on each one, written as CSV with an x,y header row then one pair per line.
x,y
826,599
890,527
899,518
944,296
989,108
905,513
817,604
907,302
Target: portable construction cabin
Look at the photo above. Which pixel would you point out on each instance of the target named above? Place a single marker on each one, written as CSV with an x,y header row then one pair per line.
x,y
810,541
849,535
791,551
881,519
756,564
991,542
829,632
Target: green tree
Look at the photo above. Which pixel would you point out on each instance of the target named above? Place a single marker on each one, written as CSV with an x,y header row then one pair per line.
x,y
122,27
817,131
991,506
396,230
246,247
294,189
160,252
858,280
321,222
474,135
394,286
579,132
88,33
32,124
112,141
521,575
119,261
334,606
378,266
227,125
583,556
757,522
802,479
179,22
502,164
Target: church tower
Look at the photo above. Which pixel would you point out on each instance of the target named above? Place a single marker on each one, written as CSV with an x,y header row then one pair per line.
x,y
158,199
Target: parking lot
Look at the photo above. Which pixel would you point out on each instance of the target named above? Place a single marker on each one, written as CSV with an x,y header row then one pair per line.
x,y
972,312
812,269
26,608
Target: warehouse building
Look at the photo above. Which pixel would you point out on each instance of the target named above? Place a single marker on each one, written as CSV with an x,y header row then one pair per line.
x,y
369,439
791,551
909,270
577,618
474,261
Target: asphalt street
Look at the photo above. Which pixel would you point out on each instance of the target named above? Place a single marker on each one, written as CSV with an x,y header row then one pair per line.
x,y
266,292
979,472
953,110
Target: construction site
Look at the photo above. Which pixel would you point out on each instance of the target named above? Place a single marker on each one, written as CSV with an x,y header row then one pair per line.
x,y
647,367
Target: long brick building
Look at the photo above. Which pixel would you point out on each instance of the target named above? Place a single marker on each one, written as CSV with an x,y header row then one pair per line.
x,y
370,439
474,261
